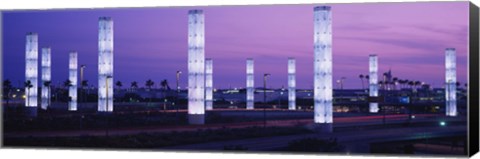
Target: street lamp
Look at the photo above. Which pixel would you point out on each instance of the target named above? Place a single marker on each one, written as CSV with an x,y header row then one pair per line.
x,y
81,80
81,71
265,76
106,108
178,91
341,82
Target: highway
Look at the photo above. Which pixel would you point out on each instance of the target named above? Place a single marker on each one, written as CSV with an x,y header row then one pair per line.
x,y
350,138
338,123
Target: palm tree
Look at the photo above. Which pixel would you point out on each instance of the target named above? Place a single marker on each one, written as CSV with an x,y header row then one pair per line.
x,y
417,83
119,84
7,88
28,85
411,83
395,80
380,83
149,84
134,85
67,83
361,78
47,84
407,83
402,83
165,87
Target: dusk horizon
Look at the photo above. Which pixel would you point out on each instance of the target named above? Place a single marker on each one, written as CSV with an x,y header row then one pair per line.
x,y
151,43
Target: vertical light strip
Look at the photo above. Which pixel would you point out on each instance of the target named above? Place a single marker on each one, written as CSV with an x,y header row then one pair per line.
x,y
451,80
196,66
72,77
46,77
250,84
323,64
105,64
373,81
209,83
31,70
291,83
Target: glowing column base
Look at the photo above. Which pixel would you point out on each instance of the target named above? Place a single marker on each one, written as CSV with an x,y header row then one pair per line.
x,y
374,108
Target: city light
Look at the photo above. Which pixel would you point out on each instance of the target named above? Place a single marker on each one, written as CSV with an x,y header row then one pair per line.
x,y
442,123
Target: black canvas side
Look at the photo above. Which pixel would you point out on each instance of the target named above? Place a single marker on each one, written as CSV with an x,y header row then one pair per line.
x,y
473,95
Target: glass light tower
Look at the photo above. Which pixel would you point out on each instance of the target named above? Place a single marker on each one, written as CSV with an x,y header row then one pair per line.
x,y
209,83
31,73
72,77
373,81
250,83
451,80
46,77
291,83
323,94
196,67
105,64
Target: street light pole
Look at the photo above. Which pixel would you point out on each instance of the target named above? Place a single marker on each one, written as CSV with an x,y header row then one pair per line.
x,y
81,81
178,91
265,99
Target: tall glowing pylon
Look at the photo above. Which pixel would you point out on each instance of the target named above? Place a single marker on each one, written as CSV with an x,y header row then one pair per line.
x,y
250,84
46,77
323,94
291,83
209,83
451,81
373,81
31,73
105,64
196,67
73,78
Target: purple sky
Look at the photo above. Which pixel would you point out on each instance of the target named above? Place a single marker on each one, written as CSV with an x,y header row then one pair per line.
x,y
151,43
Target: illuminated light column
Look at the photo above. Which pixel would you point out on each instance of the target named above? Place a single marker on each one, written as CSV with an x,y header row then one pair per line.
x,y
196,67
72,77
250,83
105,64
373,81
291,83
209,83
323,94
46,77
451,80
31,73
